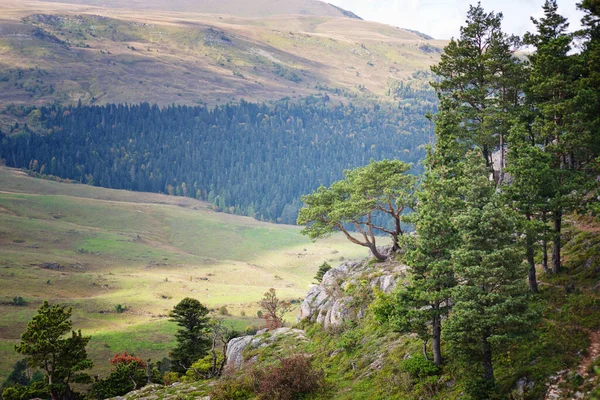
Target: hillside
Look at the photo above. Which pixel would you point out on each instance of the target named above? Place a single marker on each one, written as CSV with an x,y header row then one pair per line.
x,y
258,8
230,155
94,248
70,52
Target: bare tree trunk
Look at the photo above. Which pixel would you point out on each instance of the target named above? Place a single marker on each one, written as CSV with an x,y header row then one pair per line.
x,y
425,350
556,242
52,393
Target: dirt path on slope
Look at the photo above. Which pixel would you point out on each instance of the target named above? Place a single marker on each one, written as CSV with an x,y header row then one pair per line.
x,y
593,354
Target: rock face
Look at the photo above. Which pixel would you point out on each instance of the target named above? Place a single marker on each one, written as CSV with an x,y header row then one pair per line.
x,y
236,346
338,297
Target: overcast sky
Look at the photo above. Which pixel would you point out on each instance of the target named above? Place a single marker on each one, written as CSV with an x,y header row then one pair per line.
x,y
442,19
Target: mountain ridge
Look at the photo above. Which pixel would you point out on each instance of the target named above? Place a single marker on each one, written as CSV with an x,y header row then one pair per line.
x,y
66,53
256,8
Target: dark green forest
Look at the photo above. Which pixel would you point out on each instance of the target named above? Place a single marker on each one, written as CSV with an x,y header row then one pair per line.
x,y
248,159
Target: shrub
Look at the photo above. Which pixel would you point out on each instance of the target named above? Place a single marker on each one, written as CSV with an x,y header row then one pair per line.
x,y
124,358
203,368
170,378
119,308
18,301
419,367
250,330
223,310
349,340
293,378
232,389
129,373
322,271
19,392
274,309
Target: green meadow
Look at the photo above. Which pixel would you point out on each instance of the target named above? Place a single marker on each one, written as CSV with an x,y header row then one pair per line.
x,y
93,248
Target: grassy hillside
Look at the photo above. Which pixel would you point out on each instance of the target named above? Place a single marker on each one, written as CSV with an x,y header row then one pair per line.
x,y
255,8
95,248
70,52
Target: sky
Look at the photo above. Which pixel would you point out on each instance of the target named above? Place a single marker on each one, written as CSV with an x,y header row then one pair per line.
x,y
442,19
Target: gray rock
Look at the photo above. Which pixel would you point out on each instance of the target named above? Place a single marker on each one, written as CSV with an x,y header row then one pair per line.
x,y
236,346
329,305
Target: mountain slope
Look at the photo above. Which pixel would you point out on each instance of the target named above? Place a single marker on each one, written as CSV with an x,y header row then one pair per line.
x,y
70,52
242,8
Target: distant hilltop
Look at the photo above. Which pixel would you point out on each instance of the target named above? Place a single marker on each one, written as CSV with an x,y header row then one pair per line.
x,y
242,8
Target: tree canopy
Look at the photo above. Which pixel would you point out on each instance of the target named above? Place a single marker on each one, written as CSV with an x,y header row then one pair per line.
x,y
379,189
47,344
193,340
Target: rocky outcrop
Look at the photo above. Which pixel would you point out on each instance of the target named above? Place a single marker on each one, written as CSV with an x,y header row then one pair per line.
x,y
236,347
342,294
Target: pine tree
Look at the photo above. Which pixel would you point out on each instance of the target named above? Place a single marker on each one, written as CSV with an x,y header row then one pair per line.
x,y
551,91
48,346
479,82
491,305
192,338
420,306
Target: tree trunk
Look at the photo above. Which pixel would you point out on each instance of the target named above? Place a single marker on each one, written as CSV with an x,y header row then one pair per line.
x,y
533,285
437,337
501,171
488,367
376,253
425,350
556,242
52,392
396,235
149,372
545,253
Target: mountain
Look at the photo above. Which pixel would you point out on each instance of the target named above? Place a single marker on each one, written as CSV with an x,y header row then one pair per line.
x,y
242,8
66,53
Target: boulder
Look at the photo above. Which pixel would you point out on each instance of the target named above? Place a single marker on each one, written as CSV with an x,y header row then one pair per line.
x,y
333,301
236,346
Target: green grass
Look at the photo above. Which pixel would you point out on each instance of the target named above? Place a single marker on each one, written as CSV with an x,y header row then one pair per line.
x,y
143,251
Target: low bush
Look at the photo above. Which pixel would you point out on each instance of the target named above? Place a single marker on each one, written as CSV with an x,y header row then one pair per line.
x,y
292,378
232,389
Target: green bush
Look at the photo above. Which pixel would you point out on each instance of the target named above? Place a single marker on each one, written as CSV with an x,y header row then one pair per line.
x,y
18,301
232,389
223,310
19,392
418,367
322,271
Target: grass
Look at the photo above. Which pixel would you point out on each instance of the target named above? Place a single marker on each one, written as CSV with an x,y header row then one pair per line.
x,y
93,248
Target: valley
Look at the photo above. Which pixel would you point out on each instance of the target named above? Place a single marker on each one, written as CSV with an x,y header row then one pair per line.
x,y
93,248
